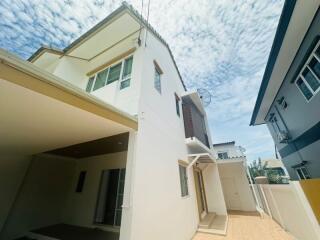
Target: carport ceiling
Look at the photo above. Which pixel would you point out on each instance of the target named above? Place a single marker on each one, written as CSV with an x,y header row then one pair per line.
x,y
116,143
33,123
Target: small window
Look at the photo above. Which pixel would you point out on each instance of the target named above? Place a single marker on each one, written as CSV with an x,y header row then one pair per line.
x,y
114,73
302,173
81,179
177,99
157,80
90,83
308,80
126,74
100,79
223,155
183,180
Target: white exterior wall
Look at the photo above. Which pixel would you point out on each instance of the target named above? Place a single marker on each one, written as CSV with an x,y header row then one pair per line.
x,y
231,149
237,172
159,211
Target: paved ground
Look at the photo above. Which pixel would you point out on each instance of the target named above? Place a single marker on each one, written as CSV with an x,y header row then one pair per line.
x,y
243,226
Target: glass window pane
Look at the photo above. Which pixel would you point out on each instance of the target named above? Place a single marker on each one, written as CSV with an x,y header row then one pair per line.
x,y
318,51
305,173
304,89
315,66
157,80
311,80
90,83
124,84
101,79
300,173
127,67
114,73
183,180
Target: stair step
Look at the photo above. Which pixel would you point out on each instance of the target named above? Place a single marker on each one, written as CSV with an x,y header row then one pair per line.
x,y
207,220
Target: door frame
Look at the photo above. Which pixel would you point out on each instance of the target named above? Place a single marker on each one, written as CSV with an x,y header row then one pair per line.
x,y
200,192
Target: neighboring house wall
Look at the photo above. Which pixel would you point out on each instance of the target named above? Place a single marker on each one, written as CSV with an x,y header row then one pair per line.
x,y
232,150
158,208
300,118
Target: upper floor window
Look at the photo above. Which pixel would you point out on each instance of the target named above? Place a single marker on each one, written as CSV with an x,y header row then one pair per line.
x,y
126,75
223,155
302,173
177,99
157,76
119,71
308,80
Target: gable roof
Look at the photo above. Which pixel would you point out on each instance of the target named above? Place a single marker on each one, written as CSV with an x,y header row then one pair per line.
x,y
124,7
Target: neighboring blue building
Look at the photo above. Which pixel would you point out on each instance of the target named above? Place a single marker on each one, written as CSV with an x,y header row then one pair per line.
x,y
289,96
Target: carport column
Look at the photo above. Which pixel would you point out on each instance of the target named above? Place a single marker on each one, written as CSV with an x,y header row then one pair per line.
x,y
126,220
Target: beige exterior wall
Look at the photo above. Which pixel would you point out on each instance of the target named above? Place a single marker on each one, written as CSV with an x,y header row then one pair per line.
x,y
237,173
12,172
47,195
41,199
80,207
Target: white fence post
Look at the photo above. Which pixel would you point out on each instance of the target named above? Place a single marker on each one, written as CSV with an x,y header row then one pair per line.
x,y
265,200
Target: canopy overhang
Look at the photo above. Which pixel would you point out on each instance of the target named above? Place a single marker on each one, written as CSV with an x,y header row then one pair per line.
x,y
40,112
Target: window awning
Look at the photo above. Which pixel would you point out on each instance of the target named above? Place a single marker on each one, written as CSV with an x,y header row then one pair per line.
x,y
200,158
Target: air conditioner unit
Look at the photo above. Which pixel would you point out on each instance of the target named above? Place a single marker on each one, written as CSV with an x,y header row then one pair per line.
x,y
283,137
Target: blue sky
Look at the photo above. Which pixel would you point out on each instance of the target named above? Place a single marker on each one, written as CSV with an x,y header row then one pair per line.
x,y
219,45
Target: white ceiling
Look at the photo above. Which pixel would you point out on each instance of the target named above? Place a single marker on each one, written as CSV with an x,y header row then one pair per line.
x,y
33,123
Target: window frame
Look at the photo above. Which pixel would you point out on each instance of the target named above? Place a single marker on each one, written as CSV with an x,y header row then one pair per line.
x,y
129,76
224,152
306,66
108,68
303,172
157,71
184,184
177,103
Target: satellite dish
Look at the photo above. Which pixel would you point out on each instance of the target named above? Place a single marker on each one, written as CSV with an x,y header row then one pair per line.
x,y
205,96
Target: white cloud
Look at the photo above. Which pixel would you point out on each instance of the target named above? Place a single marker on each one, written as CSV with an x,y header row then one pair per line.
x,y
219,45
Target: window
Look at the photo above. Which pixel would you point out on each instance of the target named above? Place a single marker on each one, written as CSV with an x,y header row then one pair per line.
x,y
119,71
223,155
157,80
183,180
100,79
81,179
177,99
308,80
126,75
302,173
114,73
90,84
157,76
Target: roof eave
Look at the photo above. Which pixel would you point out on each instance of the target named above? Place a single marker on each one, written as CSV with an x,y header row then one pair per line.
x,y
275,49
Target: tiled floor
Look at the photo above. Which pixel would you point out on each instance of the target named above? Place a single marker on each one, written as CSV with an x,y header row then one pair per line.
x,y
246,226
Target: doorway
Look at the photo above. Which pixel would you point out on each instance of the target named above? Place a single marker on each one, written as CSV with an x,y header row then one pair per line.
x,y
231,193
200,191
110,197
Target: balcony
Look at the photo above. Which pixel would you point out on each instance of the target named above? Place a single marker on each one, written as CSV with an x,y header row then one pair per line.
x,y
194,123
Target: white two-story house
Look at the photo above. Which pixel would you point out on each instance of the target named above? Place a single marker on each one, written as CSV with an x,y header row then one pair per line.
x,y
102,140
